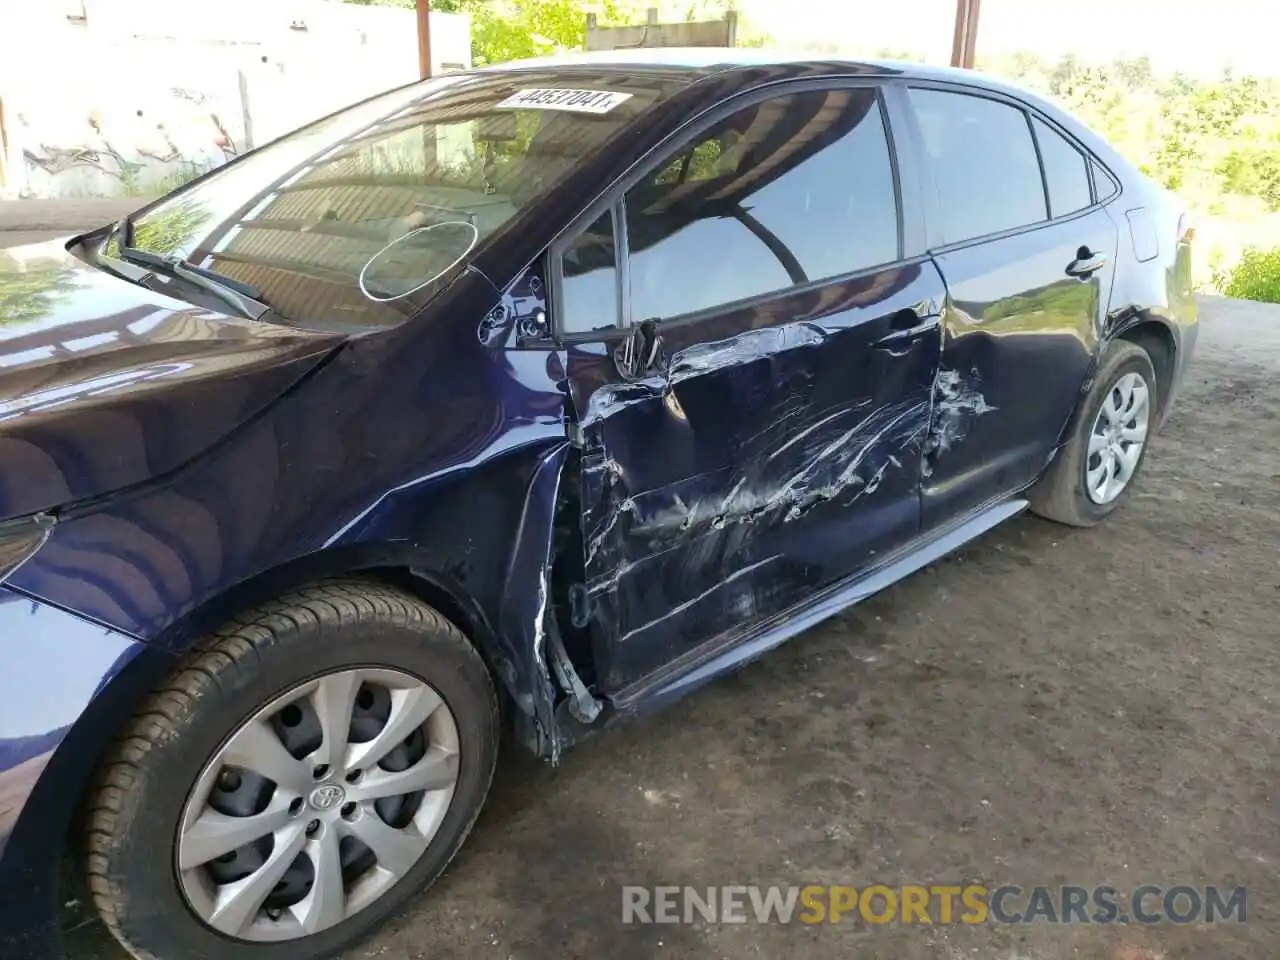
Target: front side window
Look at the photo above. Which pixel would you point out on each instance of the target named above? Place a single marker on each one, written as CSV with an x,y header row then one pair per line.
x,y
983,161
787,191
589,279
1066,173
347,221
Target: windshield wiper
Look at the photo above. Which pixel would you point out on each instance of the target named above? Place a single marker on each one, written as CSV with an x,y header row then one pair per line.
x,y
246,300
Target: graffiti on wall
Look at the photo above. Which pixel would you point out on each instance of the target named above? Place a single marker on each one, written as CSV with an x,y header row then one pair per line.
x,y
129,149
187,91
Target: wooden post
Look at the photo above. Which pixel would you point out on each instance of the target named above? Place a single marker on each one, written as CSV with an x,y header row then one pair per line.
x,y
965,41
246,111
424,38
4,151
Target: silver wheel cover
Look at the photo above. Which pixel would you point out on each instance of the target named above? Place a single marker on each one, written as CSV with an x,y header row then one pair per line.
x,y
318,804
1115,443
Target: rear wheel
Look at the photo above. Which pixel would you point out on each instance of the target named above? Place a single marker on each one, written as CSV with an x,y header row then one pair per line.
x,y
306,771
1097,466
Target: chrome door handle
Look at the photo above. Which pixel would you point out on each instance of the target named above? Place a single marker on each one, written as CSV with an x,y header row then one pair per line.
x,y
1085,263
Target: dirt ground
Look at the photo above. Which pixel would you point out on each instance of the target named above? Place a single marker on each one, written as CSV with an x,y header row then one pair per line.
x,y
1048,706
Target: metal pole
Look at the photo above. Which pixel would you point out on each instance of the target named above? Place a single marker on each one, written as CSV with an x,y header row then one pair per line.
x,y
424,38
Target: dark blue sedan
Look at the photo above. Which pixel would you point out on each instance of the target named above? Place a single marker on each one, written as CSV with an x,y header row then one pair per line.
x,y
512,403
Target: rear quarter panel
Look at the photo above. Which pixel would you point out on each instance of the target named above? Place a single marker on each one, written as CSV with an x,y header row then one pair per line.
x,y
1150,286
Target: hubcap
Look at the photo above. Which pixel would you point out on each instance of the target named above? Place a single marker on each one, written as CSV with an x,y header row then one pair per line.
x,y
318,804
1118,436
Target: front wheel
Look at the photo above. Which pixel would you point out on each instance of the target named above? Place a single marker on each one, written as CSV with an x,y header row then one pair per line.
x,y
307,770
1097,466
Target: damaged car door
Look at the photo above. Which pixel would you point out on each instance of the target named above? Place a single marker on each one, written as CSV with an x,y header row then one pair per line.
x,y
1028,255
751,417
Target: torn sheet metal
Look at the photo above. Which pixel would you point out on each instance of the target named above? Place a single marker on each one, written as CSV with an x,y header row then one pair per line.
x,y
526,599
745,347
843,456
721,491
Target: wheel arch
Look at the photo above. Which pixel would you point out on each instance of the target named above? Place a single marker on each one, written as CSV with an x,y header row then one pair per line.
x,y
393,562
1157,338
73,767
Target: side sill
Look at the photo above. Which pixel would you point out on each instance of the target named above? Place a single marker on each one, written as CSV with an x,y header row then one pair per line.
x,y
731,651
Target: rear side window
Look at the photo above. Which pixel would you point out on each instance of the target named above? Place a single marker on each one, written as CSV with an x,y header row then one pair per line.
x,y
787,191
1066,172
984,162
1104,185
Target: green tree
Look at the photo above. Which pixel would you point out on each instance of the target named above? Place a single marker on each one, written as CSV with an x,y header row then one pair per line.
x,y
504,30
514,29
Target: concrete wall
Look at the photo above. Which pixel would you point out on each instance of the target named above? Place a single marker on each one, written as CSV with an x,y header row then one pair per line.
x,y
118,97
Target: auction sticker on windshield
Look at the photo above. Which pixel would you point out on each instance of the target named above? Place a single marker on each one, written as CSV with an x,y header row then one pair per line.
x,y
576,101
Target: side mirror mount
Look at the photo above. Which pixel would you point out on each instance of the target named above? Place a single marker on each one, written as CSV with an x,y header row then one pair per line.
x,y
639,354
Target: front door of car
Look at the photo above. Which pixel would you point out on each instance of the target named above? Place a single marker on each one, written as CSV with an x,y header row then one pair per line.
x,y
1028,259
751,418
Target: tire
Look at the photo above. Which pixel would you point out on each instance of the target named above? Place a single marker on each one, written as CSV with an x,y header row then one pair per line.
x,y
350,632
1062,494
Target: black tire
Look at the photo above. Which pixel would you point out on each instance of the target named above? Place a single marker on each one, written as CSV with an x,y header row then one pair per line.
x,y
1060,494
134,813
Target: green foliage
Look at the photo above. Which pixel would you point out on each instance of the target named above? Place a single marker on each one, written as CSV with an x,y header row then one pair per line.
x,y
1253,171
1216,142
515,29
1255,277
504,30
1187,133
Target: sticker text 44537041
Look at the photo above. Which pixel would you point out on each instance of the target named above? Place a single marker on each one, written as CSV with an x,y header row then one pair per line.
x,y
574,101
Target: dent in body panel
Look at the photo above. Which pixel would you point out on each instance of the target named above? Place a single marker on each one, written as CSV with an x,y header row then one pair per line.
x,y
803,458
419,450
784,476
842,454
957,402
530,627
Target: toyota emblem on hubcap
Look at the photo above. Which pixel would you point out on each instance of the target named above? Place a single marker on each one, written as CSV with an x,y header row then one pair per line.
x,y
327,797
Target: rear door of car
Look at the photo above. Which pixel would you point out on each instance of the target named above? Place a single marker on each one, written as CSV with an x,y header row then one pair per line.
x,y
752,340
1028,255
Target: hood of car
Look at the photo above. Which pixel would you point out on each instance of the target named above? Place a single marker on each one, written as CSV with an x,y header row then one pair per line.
x,y
105,384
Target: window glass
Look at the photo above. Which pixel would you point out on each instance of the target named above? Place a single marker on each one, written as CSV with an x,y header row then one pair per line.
x,y
784,192
1065,171
1102,182
984,162
589,287
340,222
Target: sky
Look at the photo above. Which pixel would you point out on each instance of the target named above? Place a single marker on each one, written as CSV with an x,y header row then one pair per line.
x,y
1199,39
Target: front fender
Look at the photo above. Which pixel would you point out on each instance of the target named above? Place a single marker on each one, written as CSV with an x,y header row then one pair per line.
x,y
66,688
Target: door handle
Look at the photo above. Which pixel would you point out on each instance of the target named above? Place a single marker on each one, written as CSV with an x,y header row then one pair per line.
x,y
918,327
1086,263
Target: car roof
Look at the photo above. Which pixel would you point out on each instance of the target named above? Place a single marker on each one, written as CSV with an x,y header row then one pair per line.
x,y
692,64
706,61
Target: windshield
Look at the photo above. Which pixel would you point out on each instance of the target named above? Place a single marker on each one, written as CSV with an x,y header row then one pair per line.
x,y
355,219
